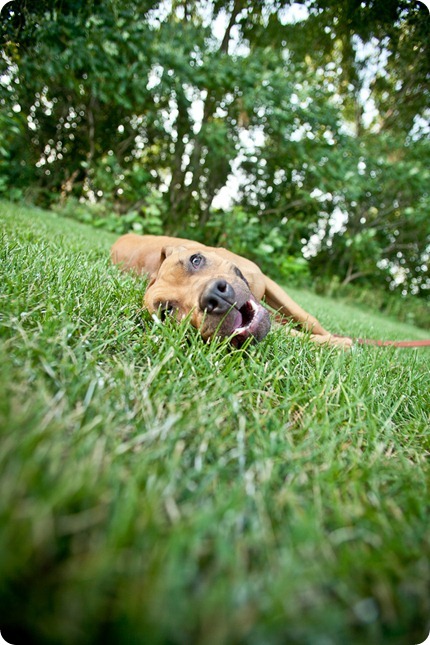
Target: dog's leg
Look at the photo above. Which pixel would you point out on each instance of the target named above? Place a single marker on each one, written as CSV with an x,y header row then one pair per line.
x,y
278,299
327,339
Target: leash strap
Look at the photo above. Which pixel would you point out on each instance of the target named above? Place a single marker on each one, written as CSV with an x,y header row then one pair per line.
x,y
393,343
369,341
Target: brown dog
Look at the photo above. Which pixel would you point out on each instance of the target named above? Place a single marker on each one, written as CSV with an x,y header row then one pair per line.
x,y
219,290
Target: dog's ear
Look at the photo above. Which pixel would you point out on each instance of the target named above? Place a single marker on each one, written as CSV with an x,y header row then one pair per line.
x,y
152,279
166,251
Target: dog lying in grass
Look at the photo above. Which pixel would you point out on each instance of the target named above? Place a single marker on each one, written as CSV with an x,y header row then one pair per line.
x,y
220,291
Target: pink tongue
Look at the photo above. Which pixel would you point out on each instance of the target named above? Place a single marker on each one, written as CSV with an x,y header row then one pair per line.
x,y
238,321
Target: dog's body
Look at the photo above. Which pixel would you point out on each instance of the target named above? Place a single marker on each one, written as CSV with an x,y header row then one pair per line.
x,y
219,290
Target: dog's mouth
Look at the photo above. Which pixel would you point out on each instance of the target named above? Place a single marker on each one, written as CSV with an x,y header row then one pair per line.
x,y
251,319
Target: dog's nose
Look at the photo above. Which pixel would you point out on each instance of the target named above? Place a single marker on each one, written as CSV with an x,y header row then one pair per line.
x,y
217,297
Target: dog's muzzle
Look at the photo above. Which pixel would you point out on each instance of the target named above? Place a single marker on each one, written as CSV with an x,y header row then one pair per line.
x,y
244,317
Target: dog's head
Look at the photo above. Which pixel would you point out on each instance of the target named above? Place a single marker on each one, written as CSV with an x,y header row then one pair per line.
x,y
211,290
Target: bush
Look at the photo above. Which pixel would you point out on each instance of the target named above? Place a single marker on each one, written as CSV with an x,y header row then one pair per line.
x,y
265,243
146,220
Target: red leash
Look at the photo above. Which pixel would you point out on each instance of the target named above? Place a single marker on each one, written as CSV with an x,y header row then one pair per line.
x,y
368,341
393,343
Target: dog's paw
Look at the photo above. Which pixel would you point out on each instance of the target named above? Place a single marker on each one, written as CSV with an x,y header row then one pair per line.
x,y
343,342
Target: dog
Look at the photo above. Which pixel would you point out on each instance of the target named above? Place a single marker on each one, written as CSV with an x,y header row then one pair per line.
x,y
220,291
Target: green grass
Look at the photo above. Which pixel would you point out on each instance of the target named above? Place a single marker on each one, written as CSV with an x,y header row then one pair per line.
x,y
155,489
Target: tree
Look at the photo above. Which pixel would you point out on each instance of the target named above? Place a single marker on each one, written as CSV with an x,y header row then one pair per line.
x,y
75,71
356,187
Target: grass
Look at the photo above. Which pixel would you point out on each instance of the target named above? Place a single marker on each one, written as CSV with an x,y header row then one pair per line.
x,y
158,490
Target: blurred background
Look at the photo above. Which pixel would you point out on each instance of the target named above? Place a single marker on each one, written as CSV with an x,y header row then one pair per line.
x,y
295,133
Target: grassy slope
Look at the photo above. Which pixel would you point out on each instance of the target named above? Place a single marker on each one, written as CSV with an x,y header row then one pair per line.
x,y
158,490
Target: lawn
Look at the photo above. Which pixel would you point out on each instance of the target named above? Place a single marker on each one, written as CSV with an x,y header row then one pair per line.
x,y
157,490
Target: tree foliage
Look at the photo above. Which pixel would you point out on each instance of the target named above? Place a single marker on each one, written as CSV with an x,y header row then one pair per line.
x,y
319,113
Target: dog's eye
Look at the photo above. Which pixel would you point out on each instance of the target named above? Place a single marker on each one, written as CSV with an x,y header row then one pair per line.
x,y
165,309
197,260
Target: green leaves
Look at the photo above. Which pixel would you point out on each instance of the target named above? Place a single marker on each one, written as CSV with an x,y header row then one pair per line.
x,y
315,119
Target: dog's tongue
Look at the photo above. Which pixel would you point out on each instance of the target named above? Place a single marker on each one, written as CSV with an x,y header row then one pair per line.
x,y
238,320
245,317
250,320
